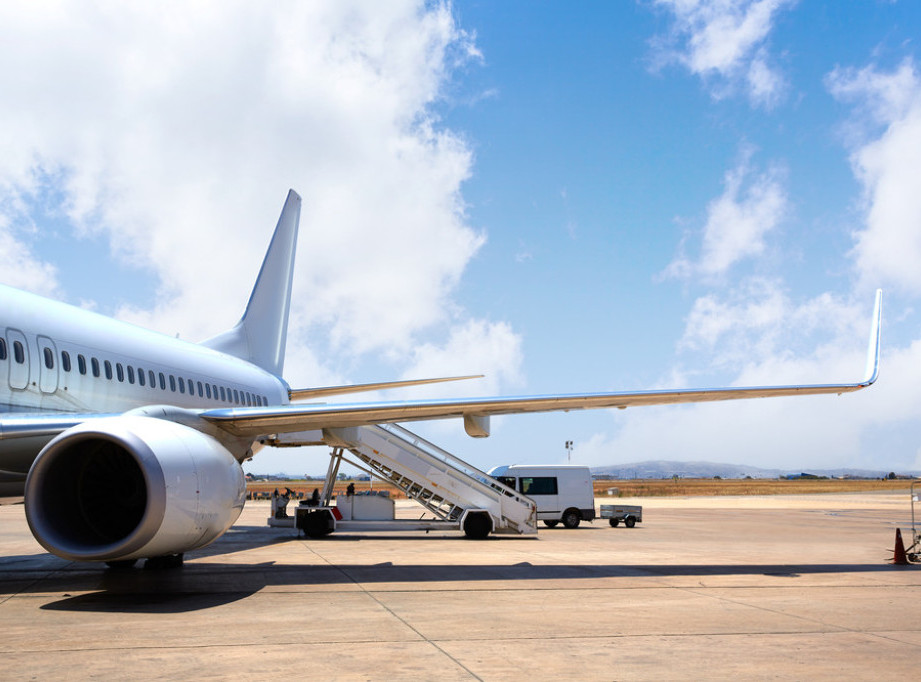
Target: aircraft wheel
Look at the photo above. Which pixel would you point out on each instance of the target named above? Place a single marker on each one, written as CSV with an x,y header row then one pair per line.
x,y
629,522
551,523
614,523
122,564
571,518
166,561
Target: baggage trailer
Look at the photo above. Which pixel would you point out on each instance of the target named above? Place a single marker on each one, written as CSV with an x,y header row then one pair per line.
x,y
615,513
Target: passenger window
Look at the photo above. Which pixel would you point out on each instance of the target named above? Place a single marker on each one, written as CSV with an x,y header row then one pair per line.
x,y
81,364
65,361
19,354
507,480
538,485
153,379
2,349
172,383
130,370
108,366
208,391
119,371
162,382
181,385
95,363
141,376
49,357
201,390
236,396
222,394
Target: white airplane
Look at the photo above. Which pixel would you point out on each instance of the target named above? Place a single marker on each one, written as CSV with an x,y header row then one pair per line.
x,y
125,443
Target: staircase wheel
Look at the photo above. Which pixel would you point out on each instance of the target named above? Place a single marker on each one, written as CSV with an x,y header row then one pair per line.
x,y
317,524
477,526
629,522
571,518
614,523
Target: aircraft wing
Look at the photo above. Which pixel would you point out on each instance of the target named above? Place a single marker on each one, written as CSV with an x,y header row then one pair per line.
x,y
261,421
304,417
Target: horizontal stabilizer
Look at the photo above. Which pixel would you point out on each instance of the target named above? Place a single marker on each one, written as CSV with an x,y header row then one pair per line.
x,y
311,393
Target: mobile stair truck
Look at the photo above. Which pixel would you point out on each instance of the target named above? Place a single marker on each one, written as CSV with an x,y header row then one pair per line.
x,y
457,494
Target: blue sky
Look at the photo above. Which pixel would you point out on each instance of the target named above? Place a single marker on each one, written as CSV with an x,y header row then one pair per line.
x,y
566,197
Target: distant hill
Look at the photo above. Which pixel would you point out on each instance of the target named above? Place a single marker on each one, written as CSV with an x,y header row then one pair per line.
x,y
668,469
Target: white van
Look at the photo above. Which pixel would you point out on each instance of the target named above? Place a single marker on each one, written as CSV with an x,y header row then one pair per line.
x,y
561,493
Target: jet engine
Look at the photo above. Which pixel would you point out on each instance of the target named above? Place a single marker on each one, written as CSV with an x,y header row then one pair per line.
x,y
130,487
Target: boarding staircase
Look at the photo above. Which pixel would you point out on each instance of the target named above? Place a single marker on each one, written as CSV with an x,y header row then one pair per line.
x,y
442,483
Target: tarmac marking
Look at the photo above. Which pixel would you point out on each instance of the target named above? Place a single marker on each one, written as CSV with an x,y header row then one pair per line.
x,y
372,596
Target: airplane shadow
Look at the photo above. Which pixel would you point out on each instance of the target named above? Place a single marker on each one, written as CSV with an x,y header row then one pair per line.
x,y
209,579
199,586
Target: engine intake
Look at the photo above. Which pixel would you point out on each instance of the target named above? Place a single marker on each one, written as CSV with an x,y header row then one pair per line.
x,y
131,487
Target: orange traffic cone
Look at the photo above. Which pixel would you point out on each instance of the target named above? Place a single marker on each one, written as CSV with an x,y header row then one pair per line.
x,y
898,555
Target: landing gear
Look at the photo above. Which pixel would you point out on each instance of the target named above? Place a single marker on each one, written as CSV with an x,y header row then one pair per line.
x,y
167,561
122,564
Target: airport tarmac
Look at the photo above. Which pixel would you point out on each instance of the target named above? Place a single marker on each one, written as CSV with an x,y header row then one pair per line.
x,y
781,587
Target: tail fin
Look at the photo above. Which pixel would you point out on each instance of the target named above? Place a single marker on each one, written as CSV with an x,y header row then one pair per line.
x,y
260,336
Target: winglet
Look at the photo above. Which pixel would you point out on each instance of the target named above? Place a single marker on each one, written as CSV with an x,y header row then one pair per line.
x,y
872,373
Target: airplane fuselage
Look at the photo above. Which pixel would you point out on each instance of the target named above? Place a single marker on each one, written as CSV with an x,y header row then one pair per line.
x,y
56,358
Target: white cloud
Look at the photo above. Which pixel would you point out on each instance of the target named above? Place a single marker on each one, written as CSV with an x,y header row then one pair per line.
x,y
723,42
19,266
752,205
888,249
766,339
477,347
21,269
175,130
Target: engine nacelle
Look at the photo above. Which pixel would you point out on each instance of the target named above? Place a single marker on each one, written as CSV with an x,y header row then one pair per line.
x,y
131,487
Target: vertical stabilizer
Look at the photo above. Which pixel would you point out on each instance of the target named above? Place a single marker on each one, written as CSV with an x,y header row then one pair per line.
x,y
260,336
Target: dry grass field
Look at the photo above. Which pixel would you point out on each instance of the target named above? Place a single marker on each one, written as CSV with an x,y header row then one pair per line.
x,y
717,487
645,487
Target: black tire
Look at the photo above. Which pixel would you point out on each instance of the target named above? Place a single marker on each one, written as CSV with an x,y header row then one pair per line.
x,y
317,524
477,526
629,522
164,563
551,523
122,564
614,523
571,518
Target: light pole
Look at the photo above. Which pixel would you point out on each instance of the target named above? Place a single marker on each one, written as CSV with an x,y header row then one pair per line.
x,y
569,451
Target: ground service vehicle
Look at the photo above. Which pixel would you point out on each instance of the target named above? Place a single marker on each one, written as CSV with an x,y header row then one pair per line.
x,y
615,513
561,493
